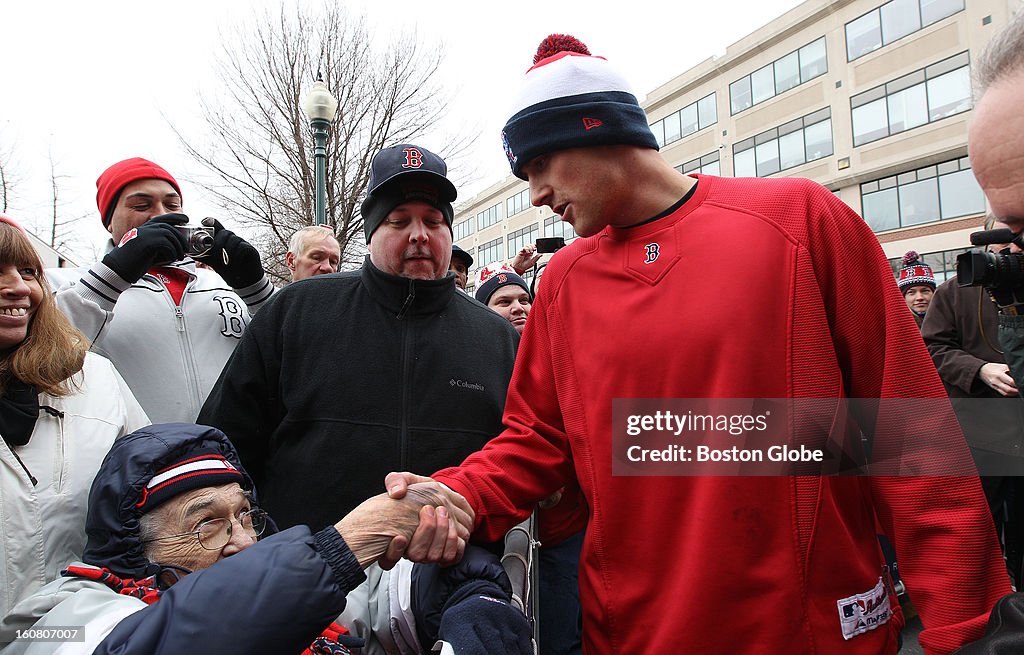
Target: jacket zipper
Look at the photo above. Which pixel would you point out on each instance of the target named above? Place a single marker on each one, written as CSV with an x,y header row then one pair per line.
x,y
186,347
403,446
31,478
61,451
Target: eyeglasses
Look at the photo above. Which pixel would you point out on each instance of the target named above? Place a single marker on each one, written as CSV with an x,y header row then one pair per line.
x,y
214,534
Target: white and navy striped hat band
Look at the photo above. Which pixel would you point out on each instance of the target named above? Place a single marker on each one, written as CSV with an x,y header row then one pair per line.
x,y
572,100
203,470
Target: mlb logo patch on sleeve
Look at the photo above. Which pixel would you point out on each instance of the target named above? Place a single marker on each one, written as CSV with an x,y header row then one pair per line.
x,y
866,611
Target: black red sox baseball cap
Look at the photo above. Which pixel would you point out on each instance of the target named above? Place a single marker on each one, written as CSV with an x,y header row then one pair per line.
x,y
405,173
406,159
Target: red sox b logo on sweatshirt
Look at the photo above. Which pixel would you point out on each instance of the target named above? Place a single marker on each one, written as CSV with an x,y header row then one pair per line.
x,y
413,158
653,250
233,320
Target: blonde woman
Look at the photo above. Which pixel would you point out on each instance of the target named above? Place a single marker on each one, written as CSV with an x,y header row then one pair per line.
x,y
61,408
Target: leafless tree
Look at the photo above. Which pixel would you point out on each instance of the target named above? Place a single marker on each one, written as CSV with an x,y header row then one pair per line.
x,y
62,236
260,146
9,176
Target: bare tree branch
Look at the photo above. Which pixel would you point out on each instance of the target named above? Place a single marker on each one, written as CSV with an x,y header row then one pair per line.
x,y
259,144
10,178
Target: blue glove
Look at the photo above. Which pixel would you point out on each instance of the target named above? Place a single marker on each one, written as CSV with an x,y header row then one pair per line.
x,y
232,257
157,241
468,606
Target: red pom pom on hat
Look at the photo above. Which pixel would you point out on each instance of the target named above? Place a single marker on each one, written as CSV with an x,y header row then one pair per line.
x,y
910,257
556,43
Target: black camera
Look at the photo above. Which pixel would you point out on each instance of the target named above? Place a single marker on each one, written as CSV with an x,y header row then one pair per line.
x,y
550,244
998,271
1001,274
198,240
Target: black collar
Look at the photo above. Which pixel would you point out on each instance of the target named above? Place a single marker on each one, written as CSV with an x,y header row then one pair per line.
x,y
405,297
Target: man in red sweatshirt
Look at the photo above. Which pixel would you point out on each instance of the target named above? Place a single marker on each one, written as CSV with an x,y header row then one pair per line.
x,y
725,563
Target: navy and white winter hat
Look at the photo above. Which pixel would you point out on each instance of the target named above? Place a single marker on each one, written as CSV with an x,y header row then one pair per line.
x,y
914,273
572,99
200,469
494,276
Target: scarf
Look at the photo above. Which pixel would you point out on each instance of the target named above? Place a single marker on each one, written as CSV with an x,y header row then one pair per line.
x,y
19,409
334,640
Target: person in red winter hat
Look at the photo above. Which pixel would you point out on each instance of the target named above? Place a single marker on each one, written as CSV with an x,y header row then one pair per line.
x,y
917,284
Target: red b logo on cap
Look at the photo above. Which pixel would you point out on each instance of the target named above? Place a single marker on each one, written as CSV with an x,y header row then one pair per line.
x,y
413,158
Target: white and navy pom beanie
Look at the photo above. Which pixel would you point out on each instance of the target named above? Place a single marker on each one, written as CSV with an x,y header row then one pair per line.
x,y
914,273
572,99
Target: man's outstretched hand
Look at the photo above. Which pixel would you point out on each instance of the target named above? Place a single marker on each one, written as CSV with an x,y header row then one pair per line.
x,y
399,484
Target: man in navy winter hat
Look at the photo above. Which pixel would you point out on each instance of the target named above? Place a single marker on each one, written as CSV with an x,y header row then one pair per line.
x,y
368,370
821,318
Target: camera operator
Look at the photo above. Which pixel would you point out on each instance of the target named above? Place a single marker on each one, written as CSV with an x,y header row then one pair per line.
x,y
961,332
167,326
995,142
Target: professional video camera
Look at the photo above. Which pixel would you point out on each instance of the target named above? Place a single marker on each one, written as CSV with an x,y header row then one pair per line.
x,y
1002,274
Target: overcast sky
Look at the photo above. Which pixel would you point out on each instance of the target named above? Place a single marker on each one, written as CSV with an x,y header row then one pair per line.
x,y
96,82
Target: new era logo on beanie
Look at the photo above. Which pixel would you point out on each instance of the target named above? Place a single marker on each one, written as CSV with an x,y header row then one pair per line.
x,y
572,99
914,273
405,173
117,177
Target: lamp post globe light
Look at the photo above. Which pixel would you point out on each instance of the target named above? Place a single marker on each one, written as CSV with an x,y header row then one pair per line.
x,y
320,107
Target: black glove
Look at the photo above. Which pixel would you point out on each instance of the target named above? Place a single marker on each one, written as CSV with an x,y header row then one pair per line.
x,y
232,257
157,241
435,590
1005,632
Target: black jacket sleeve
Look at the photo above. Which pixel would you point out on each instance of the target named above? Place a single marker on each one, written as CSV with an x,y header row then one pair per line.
x,y
275,597
245,403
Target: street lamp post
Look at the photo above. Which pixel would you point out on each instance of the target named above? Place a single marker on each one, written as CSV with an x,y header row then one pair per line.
x,y
320,106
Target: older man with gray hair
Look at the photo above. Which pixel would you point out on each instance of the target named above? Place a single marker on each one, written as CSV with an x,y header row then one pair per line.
x,y
313,250
996,146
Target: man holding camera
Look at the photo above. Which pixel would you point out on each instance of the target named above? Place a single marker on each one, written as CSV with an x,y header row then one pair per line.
x,y
168,326
996,145
961,332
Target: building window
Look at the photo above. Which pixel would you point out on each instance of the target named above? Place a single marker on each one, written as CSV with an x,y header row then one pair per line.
x,y
708,165
518,239
554,226
517,203
791,144
943,264
489,216
489,252
924,195
462,230
893,21
691,118
781,75
924,96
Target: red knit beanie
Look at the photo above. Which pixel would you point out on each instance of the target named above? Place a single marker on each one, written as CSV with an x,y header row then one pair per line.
x,y
120,175
4,218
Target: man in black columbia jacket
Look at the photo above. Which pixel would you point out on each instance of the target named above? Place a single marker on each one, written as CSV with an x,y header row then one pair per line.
x,y
345,377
